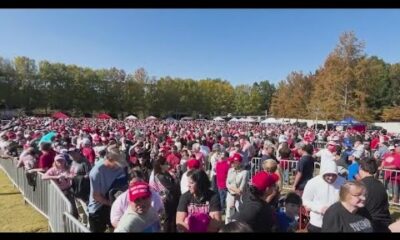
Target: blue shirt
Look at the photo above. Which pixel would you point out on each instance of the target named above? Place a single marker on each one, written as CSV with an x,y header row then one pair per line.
x,y
101,179
353,171
285,222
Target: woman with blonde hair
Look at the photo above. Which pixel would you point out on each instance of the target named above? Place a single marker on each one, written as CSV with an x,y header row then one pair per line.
x,y
349,213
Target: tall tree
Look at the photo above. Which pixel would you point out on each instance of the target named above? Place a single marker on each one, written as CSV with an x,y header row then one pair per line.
x,y
335,85
266,90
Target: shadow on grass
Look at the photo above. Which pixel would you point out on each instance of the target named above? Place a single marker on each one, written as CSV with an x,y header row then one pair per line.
x,y
9,193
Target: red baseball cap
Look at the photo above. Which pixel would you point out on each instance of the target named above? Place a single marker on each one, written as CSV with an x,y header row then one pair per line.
x,y
237,157
193,164
263,180
138,190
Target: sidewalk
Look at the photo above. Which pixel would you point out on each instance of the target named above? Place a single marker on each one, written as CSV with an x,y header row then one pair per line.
x,y
15,215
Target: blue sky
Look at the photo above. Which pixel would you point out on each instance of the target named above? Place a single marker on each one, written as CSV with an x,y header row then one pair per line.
x,y
238,45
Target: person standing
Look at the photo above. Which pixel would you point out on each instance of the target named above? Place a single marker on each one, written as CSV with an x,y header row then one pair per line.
x,y
349,214
305,169
320,192
376,201
102,177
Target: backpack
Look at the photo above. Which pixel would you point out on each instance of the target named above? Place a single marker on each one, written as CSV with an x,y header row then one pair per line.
x,y
31,178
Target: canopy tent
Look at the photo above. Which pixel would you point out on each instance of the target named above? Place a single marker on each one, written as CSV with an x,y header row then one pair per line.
x,y
218,119
59,115
348,122
151,118
170,119
186,119
131,117
248,119
103,116
351,123
270,121
234,120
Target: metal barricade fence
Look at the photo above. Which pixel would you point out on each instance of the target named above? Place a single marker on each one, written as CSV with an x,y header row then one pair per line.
x,y
391,181
58,204
255,166
10,169
37,197
71,224
287,168
319,144
47,198
288,172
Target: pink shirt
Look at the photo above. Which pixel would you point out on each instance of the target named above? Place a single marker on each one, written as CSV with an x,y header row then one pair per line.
x,y
62,183
222,169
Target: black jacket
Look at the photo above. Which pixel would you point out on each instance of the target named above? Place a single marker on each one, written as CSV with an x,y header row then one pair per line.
x,y
255,212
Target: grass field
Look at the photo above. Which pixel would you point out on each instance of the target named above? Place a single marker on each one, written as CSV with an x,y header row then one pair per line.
x,y
15,215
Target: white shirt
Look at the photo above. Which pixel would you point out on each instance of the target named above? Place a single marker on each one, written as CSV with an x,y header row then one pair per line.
x,y
325,156
184,183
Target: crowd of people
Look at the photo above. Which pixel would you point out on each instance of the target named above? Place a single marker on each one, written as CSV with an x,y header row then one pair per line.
x,y
198,176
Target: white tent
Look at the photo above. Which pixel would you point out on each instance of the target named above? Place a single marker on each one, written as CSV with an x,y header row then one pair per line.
x,y
170,119
248,119
186,119
131,117
234,120
218,119
270,120
151,118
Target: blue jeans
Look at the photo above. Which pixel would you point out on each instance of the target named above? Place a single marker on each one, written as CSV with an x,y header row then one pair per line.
x,y
286,176
222,198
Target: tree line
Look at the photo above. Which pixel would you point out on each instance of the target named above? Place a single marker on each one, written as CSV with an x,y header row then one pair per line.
x,y
349,83
47,87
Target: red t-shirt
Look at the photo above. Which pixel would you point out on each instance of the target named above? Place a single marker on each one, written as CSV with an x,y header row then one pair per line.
x,y
222,168
89,154
392,159
374,143
46,160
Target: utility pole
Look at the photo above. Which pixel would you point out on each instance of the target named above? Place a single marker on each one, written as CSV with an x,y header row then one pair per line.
x,y
316,118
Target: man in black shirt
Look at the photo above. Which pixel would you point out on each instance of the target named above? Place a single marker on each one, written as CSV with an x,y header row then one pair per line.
x,y
254,210
377,199
349,214
305,169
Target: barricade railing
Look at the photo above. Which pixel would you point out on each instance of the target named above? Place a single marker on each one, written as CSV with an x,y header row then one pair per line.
x,y
288,170
255,166
10,169
37,197
391,181
288,173
46,198
71,224
58,204
319,144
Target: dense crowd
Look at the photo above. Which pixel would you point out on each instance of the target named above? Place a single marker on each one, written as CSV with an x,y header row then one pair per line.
x,y
198,176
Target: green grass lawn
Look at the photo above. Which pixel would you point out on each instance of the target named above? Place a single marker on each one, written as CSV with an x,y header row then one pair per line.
x,y
16,216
